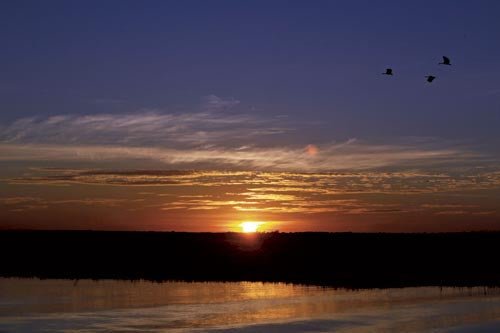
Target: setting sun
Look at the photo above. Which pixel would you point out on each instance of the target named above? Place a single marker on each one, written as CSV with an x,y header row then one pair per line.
x,y
250,226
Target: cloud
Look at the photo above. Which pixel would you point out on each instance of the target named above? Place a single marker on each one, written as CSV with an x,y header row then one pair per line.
x,y
213,102
445,206
362,192
23,203
358,156
453,212
148,128
283,186
311,150
18,200
213,125
212,138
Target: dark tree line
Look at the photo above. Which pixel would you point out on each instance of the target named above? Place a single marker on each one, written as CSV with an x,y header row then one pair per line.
x,y
335,259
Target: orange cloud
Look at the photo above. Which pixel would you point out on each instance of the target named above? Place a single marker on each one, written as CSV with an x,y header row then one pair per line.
x,y
312,150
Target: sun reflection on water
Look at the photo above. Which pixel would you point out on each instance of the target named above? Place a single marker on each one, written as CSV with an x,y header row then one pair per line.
x,y
181,306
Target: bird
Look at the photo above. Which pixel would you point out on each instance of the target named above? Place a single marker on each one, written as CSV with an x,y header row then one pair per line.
x,y
430,78
446,61
388,71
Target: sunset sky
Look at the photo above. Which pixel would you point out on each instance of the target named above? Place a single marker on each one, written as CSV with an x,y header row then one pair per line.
x,y
201,115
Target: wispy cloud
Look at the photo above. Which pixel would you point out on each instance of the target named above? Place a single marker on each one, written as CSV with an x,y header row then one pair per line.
x,y
214,124
354,156
348,193
20,203
211,138
278,184
213,102
146,128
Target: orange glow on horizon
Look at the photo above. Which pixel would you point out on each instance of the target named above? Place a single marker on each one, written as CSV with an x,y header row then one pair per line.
x,y
250,226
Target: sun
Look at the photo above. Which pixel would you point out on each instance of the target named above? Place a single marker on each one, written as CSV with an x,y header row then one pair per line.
x,y
250,226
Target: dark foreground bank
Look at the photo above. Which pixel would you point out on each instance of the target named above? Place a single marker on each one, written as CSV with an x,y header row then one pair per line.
x,y
334,259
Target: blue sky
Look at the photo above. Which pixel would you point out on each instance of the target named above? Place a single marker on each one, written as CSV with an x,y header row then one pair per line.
x,y
315,61
267,86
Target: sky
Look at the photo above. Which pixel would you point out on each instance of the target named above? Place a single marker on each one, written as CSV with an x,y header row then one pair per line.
x,y
198,115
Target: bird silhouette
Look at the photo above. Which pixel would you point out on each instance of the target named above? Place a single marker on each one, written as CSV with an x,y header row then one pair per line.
x,y
388,71
430,78
446,61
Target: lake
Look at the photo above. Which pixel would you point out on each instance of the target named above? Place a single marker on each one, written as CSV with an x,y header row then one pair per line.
x,y
33,305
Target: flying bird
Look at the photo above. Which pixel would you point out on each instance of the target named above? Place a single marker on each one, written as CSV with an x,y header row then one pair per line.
x,y
430,78
446,61
388,71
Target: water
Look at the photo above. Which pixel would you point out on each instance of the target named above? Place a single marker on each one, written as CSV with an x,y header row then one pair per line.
x,y
32,305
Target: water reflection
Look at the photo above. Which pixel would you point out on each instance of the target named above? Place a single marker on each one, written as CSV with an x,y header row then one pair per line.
x,y
114,306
